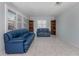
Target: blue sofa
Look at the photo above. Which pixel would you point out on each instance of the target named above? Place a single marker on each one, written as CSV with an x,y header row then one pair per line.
x,y
18,41
43,32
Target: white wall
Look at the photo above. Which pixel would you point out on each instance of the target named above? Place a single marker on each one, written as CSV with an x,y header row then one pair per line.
x,y
2,27
41,18
68,26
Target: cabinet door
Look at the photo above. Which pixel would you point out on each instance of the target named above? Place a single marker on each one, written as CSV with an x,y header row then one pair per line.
x,y
53,27
31,25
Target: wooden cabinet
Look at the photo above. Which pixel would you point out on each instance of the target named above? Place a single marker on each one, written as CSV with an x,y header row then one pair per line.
x,y
53,27
31,25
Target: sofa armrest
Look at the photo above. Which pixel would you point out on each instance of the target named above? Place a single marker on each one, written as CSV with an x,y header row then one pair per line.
x,y
14,46
15,41
49,32
37,31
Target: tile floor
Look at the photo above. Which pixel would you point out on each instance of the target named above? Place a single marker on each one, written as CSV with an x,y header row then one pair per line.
x,y
50,46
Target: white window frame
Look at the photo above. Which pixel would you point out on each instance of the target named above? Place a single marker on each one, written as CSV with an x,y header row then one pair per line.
x,y
41,24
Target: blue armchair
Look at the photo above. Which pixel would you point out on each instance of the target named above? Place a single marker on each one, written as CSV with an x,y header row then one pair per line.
x,y
18,41
43,32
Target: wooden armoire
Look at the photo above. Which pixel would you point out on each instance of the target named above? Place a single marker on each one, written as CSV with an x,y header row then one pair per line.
x,y
31,25
53,27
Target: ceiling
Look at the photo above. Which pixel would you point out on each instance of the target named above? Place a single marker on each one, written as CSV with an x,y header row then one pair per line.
x,y
42,8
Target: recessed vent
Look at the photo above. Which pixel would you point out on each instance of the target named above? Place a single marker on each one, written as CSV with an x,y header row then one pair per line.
x,y
58,3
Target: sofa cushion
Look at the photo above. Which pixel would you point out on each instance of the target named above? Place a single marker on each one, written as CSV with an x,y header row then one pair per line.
x,y
15,34
7,37
25,35
18,38
29,39
43,30
18,33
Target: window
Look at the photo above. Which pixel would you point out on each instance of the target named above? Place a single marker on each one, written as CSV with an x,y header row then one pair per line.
x,y
11,15
19,23
25,22
41,24
11,20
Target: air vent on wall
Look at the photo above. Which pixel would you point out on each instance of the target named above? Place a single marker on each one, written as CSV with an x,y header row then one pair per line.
x,y
58,3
